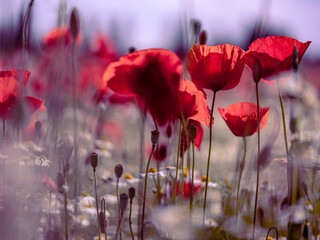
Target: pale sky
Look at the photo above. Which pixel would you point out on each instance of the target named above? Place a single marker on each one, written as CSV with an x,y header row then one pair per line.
x,y
151,23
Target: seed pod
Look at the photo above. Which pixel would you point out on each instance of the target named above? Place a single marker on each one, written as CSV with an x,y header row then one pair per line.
x,y
132,193
256,70
74,23
60,182
203,37
118,170
132,49
37,127
94,160
123,202
102,222
154,137
193,132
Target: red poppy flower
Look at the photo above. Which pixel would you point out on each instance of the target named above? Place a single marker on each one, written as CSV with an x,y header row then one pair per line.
x,y
197,189
275,54
11,104
153,76
193,102
162,153
242,118
215,67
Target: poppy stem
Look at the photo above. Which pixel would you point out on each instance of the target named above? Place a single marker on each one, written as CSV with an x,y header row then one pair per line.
x,y
145,191
241,171
65,216
182,173
158,165
96,193
119,211
208,164
191,192
130,222
275,229
177,164
258,165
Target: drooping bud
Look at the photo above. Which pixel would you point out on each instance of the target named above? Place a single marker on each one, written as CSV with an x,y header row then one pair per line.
x,y
102,222
118,170
60,182
132,193
256,70
196,26
94,160
37,127
203,37
74,23
295,58
132,49
154,137
123,202
193,132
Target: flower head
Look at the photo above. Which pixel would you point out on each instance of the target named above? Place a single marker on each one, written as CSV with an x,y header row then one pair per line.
x,y
242,118
215,67
275,54
152,76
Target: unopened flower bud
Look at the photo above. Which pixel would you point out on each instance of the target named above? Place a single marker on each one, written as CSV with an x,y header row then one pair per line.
x,y
118,170
295,58
74,23
123,202
132,49
256,70
132,193
196,26
94,160
193,132
60,182
203,37
154,137
102,222
37,127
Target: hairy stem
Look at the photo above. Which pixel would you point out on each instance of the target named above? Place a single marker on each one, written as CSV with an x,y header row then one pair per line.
x,y
241,171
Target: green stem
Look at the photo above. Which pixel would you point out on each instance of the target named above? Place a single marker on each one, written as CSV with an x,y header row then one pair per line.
x,y
182,175
258,165
65,217
208,164
96,193
191,191
177,166
145,191
241,171
130,223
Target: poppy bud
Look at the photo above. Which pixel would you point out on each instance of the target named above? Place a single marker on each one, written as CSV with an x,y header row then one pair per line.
x,y
132,193
102,222
295,58
132,49
193,132
123,202
196,26
256,70
37,127
60,182
203,37
74,23
154,137
294,122
94,160
118,170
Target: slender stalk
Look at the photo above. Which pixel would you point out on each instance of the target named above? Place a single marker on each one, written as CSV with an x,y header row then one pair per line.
x,y
65,217
141,167
182,173
191,191
96,193
158,165
177,164
130,222
145,191
241,171
208,164
104,217
269,230
258,165
119,226
119,212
